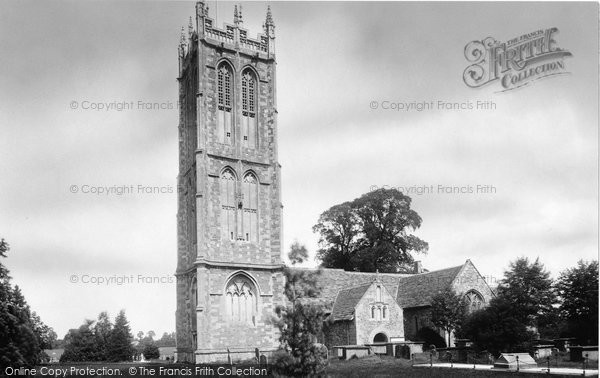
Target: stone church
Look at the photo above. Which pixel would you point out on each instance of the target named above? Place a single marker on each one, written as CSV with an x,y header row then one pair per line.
x,y
229,218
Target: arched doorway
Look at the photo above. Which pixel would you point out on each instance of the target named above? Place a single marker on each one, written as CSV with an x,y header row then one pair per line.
x,y
380,338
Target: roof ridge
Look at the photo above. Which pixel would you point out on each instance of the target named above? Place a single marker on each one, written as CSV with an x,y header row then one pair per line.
x,y
355,287
433,271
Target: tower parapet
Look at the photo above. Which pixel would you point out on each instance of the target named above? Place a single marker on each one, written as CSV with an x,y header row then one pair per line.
x,y
233,35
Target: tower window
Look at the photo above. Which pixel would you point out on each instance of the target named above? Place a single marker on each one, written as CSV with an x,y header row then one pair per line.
x,y
249,124
224,103
228,208
241,301
250,207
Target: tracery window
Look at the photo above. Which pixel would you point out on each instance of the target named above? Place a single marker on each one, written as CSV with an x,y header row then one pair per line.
x,y
241,300
224,103
474,301
249,124
228,207
250,208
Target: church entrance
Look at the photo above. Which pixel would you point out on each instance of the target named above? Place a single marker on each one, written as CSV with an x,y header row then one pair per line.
x,y
380,338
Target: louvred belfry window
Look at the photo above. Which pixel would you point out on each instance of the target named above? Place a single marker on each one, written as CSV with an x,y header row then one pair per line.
x,y
249,124
250,208
228,208
224,103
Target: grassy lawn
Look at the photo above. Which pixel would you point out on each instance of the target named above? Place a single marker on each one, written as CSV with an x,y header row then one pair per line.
x,y
385,366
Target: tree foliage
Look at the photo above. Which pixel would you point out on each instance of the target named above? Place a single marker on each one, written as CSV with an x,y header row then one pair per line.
x,y
150,351
99,340
299,322
529,287
497,328
578,290
525,302
448,311
120,348
370,233
22,333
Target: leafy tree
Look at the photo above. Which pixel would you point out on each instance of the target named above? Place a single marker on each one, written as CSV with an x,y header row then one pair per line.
x,y
525,302
578,289
300,322
448,311
167,340
22,333
119,341
497,329
81,344
151,351
102,331
45,335
140,335
529,288
371,233
430,337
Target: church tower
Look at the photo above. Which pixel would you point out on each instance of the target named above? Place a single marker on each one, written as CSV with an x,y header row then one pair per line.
x,y
229,266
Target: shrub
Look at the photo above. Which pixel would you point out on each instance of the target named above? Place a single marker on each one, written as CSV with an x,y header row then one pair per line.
x,y
431,337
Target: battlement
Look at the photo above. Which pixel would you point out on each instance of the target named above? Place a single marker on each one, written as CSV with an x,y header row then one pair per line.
x,y
232,36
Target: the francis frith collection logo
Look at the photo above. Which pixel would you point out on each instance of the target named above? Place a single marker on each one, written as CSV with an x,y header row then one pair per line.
x,y
514,63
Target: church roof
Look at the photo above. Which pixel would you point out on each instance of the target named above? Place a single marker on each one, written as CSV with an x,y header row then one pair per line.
x,y
410,290
332,281
416,290
346,301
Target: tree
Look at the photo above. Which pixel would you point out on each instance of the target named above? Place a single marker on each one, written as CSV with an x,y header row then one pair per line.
x,y
102,330
496,329
45,335
371,233
448,311
167,340
22,333
120,348
81,344
150,351
151,334
524,303
578,290
529,288
300,322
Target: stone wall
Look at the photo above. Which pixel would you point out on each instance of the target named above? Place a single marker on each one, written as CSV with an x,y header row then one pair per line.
x,y
470,279
340,333
366,327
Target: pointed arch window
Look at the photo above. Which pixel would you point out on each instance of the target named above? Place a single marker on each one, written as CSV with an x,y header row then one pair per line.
x,y
250,208
249,124
225,103
228,208
474,301
241,300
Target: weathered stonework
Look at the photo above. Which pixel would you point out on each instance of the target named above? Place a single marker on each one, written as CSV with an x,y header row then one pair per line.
x,y
367,327
208,327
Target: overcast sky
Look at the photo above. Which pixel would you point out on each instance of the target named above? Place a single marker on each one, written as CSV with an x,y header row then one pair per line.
x,y
539,148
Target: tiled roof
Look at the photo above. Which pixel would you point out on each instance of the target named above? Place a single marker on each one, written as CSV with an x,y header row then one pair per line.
x,y
331,281
346,301
410,290
417,290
